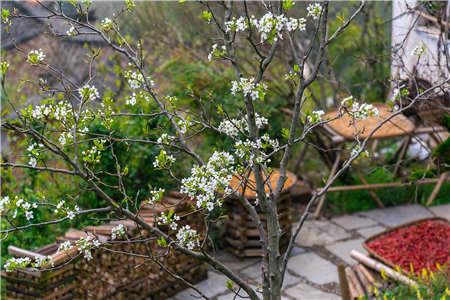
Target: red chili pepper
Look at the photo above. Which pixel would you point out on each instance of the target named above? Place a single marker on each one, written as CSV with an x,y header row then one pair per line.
x,y
422,244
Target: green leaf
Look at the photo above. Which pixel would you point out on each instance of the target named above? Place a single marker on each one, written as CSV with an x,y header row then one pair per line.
x,y
219,109
296,68
285,132
261,95
162,242
229,284
391,104
5,13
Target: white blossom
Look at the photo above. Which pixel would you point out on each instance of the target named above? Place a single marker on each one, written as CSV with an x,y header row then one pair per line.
x,y
106,24
38,54
119,230
418,50
71,31
64,247
32,162
70,214
314,10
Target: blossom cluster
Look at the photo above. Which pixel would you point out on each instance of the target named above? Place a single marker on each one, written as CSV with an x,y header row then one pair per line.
x,y
36,56
232,127
165,139
399,92
23,262
206,180
106,24
34,153
136,79
42,261
88,92
16,263
72,31
64,247
187,236
156,195
418,50
266,25
85,245
163,220
215,51
132,100
315,116
184,125
314,10
249,88
163,161
18,204
119,230
93,155
64,209
356,149
360,111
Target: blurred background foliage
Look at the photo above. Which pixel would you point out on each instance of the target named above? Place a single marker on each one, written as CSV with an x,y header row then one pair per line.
x,y
176,42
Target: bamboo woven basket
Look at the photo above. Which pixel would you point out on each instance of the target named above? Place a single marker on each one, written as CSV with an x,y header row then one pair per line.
x,y
402,226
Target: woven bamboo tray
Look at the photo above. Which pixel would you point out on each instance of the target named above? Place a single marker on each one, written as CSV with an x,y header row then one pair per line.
x,y
402,226
397,126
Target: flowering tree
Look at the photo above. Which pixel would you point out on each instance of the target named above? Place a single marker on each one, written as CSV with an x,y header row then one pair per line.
x,y
60,126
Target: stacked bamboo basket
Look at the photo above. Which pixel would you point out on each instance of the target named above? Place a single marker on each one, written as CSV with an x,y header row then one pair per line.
x,y
112,275
242,237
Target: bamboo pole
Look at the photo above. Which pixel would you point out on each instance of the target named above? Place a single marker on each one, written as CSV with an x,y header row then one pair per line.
x,y
380,185
436,189
371,192
332,173
376,265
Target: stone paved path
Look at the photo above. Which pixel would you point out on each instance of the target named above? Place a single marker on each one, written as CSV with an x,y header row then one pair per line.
x,y
320,246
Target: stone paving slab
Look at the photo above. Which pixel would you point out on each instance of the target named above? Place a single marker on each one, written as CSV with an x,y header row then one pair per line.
x,y
253,272
441,210
369,231
319,233
229,296
211,287
303,291
353,222
290,279
394,216
343,249
314,268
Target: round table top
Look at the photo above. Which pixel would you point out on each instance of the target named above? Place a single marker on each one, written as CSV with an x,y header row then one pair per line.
x,y
397,126
249,193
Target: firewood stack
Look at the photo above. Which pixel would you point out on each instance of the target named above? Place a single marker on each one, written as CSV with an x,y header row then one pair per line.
x,y
49,285
242,237
111,274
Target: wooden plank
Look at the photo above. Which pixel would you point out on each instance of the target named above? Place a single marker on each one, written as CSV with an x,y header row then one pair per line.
x,y
22,291
25,281
21,252
356,284
343,282
366,273
351,285
57,272
59,282
365,284
61,257
60,292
